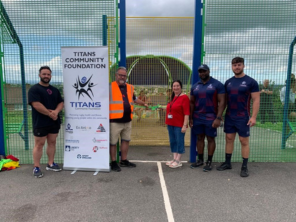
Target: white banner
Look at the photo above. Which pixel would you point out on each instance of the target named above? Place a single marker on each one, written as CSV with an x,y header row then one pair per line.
x,y
86,101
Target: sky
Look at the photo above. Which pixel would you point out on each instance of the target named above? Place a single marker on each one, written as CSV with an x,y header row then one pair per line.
x,y
258,30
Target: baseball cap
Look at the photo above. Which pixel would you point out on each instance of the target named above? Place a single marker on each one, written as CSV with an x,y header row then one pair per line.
x,y
203,67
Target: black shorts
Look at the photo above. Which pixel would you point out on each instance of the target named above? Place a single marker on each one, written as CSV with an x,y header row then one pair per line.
x,y
44,131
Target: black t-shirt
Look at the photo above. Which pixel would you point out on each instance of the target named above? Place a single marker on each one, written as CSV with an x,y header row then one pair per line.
x,y
126,106
50,97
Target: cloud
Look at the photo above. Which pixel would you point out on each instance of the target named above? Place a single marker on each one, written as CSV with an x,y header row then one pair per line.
x,y
163,8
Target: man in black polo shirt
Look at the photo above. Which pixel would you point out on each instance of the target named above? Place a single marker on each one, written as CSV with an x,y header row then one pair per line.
x,y
46,103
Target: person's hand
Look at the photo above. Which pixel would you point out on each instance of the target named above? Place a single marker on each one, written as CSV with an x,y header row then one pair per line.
x,y
191,123
146,105
184,128
252,122
53,114
216,123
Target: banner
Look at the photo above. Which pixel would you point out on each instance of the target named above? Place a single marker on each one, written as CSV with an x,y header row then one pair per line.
x,y
86,103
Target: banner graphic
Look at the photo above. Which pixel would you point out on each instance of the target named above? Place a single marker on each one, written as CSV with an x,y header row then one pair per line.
x,y
86,101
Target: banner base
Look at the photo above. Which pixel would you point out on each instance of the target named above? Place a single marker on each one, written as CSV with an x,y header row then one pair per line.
x,y
87,169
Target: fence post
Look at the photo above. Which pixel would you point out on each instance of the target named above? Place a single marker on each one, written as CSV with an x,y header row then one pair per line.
x,y
197,52
287,95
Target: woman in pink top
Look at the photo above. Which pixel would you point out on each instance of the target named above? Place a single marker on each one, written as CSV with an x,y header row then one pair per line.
x,y
177,115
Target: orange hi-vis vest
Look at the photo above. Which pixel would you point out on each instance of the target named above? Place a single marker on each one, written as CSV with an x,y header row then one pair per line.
x,y
116,102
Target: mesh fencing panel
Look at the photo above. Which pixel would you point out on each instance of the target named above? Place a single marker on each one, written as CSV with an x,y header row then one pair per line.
x,y
43,27
159,50
261,32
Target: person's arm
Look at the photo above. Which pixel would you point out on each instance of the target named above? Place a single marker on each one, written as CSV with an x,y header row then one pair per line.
x,y
41,108
256,104
140,102
185,124
54,113
192,105
221,107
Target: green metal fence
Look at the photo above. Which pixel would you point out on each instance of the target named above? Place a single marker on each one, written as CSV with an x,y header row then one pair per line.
x,y
42,28
261,32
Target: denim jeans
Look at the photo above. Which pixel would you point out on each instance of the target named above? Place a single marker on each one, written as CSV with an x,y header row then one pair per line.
x,y
176,139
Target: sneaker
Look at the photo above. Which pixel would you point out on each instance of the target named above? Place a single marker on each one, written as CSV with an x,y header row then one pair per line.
x,y
208,166
224,166
115,167
54,167
37,172
197,164
126,163
244,172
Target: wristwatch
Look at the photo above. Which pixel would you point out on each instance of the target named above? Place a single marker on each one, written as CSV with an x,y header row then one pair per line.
x,y
219,118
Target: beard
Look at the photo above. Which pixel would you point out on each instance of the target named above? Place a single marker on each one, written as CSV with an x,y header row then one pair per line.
x,y
45,80
204,77
238,73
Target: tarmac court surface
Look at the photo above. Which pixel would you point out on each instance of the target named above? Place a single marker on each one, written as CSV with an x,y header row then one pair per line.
x,y
151,192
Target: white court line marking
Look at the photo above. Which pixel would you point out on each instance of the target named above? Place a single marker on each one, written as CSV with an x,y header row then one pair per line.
x,y
96,173
152,161
166,198
74,171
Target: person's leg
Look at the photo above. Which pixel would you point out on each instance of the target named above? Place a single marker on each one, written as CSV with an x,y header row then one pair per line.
x,y
245,146
229,137
38,149
124,149
125,138
180,147
211,147
173,143
51,147
115,130
200,145
262,113
245,154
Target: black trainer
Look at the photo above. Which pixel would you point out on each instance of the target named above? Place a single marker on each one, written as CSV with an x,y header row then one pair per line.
x,y
115,167
244,172
126,163
224,166
54,167
197,164
37,172
208,166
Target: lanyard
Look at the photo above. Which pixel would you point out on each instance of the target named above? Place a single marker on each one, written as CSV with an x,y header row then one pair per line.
x,y
171,103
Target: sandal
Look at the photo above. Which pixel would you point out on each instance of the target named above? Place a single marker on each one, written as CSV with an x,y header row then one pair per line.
x,y
176,164
170,162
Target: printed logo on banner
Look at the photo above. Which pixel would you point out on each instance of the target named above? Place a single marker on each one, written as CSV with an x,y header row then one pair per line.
x,y
68,128
98,140
72,141
83,87
83,128
79,156
103,147
101,129
69,148
95,149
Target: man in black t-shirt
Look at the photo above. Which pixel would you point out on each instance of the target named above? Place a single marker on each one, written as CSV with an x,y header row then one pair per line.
x,y
46,103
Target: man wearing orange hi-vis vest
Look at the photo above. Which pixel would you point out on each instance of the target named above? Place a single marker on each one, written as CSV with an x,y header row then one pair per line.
x,y
122,100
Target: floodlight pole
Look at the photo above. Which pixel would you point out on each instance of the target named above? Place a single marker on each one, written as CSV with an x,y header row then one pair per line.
x,y
197,57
